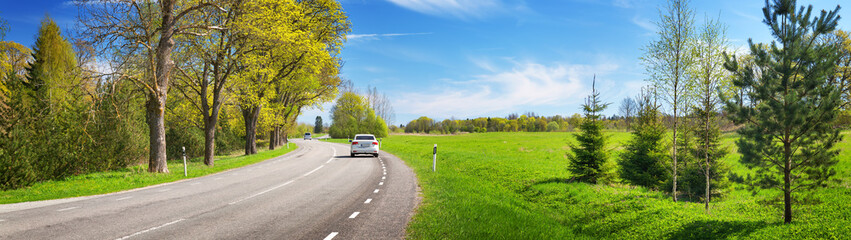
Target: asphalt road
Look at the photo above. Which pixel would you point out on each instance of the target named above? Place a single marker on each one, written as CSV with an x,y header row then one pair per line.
x,y
314,192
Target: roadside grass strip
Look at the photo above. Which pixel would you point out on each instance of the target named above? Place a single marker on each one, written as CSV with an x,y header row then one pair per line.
x,y
130,178
516,186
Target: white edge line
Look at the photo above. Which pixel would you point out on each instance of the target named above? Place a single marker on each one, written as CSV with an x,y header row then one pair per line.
x,y
2,220
331,236
124,198
314,170
368,200
258,194
151,229
354,215
66,209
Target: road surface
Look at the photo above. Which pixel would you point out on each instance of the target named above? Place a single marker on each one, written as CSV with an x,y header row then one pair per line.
x,y
314,192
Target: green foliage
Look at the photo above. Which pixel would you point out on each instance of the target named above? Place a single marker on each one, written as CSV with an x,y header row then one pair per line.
x,y
644,160
58,130
318,126
426,125
788,110
352,115
589,156
552,127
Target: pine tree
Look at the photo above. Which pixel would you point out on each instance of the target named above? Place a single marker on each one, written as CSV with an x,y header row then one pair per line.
x,y
789,106
317,126
644,162
587,159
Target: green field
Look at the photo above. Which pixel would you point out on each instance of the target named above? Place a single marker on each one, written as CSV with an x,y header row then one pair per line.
x,y
130,178
513,186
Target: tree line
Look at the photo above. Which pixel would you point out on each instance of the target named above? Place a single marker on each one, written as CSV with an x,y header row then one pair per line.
x,y
139,79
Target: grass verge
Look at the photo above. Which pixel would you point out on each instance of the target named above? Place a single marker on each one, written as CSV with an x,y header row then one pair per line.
x,y
131,177
513,186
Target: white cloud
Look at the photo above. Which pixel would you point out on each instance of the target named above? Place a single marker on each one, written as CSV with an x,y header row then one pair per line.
x,y
376,36
622,3
527,85
454,8
644,23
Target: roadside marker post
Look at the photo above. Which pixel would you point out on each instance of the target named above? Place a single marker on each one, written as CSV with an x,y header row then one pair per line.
x,y
184,161
434,159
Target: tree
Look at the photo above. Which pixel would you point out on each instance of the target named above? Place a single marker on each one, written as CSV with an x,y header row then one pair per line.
x,y
381,104
317,127
206,62
842,77
293,44
667,61
789,106
351,115
627,109
587,158
644,158
142,35
712,81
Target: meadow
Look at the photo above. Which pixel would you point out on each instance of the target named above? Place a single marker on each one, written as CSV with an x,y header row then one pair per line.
x,y
516,186
131,177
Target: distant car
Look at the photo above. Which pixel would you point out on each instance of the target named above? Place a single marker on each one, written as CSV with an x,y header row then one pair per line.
x,y
364,144
306,136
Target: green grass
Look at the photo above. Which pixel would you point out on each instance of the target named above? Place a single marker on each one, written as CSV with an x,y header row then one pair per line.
x,y
513,186
130,178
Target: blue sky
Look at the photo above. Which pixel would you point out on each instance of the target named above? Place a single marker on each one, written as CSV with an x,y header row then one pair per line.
x,y
480,58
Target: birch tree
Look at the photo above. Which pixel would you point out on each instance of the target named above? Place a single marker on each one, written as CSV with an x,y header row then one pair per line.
x,y
667,60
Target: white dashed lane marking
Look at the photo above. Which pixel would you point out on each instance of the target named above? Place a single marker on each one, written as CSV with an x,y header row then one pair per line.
x,y
354,215
381,183
258,194
66,209
331,236
314,170
368,200
151,229
376,191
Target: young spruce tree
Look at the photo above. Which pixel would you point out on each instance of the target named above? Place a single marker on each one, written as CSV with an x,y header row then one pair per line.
x,y
789,106
644,162
589,156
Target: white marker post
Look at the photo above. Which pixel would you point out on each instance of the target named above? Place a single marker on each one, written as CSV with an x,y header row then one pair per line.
x,y
184,161
434,160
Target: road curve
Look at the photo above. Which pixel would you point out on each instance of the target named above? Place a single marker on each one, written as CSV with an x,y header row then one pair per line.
x,y
314,192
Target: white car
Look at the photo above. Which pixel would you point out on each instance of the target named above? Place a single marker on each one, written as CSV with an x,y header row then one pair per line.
x,y
364,144
307,136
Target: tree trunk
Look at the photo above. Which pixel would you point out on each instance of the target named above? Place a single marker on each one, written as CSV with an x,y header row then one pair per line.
x,y
209,140
156,130
251,115
706,146
273,139
159,90
674,191
787,187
